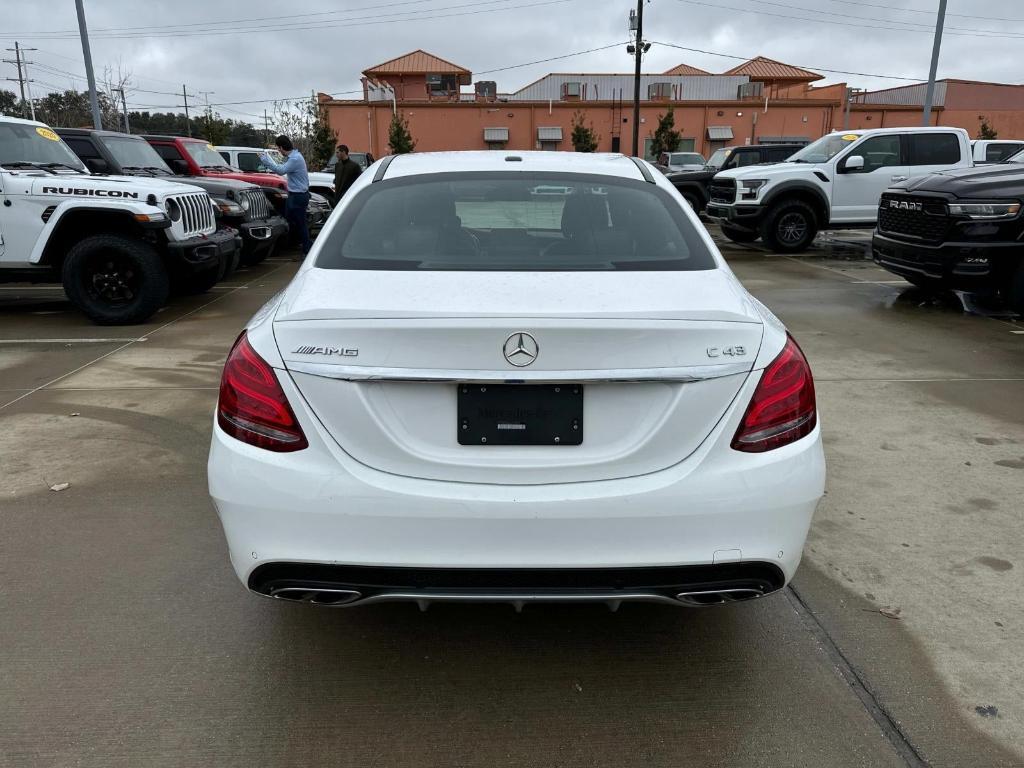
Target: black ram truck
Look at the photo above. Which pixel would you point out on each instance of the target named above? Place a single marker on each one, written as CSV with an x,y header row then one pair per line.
x,y
959,229
240,205
695,186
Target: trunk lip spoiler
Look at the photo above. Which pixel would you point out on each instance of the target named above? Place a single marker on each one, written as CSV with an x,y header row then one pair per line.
x,y
678,375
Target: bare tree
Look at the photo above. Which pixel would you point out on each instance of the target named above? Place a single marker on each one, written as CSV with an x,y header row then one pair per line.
x,y
111,85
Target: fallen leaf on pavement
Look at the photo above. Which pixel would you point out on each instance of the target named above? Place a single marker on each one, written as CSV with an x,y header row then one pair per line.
x,y
60,487
891,613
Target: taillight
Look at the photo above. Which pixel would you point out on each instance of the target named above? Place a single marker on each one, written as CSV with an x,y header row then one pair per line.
x,y
783,408
252,406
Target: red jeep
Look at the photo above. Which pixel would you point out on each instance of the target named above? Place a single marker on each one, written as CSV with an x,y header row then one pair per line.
x,y
197,157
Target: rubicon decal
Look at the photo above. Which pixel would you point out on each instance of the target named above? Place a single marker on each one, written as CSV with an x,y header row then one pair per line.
x,y
90,192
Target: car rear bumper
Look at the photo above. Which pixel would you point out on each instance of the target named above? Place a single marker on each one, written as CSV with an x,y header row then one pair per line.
x,y
964,266
198,254
320,507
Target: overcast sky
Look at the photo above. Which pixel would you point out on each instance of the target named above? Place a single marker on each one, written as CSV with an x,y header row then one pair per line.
x,y
325,45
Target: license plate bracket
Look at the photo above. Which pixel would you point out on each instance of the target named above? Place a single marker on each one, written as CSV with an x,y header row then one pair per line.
x,y
520,414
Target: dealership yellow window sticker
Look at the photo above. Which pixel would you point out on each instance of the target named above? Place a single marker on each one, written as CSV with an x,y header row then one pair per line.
x,y
46,133
850,137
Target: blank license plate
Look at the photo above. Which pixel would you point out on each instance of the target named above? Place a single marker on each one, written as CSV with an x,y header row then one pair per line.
x,y
520,414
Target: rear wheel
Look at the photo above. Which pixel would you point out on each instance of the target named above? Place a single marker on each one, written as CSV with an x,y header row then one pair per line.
x,y
115,280
740,235
789,227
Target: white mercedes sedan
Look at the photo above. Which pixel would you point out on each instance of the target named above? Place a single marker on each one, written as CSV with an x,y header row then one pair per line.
x,y
474,392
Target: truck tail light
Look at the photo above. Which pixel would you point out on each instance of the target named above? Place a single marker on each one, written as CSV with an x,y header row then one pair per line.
x,y
783,408
252,406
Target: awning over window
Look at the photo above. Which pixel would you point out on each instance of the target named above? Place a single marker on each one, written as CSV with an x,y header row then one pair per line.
x,y
495,134
549,134
719,133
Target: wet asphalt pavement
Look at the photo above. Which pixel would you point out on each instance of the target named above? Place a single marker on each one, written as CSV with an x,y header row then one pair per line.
x,y
126,640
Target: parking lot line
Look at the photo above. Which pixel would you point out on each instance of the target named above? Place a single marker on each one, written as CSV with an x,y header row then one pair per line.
x,y
72,341
114,351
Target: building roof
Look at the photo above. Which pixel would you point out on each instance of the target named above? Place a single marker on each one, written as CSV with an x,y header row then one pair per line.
x,y
762,68
685,69
418,62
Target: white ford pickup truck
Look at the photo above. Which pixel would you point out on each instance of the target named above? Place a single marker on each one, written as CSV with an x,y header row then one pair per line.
x,y
833,183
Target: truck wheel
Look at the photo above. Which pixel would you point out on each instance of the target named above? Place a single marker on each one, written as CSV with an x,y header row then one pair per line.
x,y
115,280
789,227
691,201
1014,291
739,235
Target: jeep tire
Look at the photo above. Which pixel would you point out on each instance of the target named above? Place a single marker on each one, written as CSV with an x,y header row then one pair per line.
x,y
790,226
739,235
115,279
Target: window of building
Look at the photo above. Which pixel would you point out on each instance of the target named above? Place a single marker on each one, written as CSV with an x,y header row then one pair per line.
x,y
934,149
441,83
659,91
571,90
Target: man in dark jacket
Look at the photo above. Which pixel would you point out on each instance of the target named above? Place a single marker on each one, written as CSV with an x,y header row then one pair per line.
x,y
345,173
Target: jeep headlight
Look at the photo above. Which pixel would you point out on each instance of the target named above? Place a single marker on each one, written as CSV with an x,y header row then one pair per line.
x,y
226,207
243,203
750,187
173,209
985,210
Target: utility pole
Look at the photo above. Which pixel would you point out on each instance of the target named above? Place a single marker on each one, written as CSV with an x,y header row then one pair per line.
x,y
124,104
266,129
28,85
638,49
188,121
94,100
929,98
16,61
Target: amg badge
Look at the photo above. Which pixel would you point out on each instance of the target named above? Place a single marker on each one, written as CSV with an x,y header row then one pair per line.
x,y
341,351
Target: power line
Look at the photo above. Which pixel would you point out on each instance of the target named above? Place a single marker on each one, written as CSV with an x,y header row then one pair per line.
x,y
930,12
926,27
801,66
805,19
373,20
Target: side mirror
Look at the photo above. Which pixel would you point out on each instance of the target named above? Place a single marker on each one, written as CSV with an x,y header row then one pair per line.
x,y
180,167
853,163
97,165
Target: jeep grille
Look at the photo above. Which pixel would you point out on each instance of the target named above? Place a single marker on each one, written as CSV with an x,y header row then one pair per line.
x,y
196,214
259,208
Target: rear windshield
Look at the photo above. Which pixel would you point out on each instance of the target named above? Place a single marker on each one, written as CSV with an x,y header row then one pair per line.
x,y
514,222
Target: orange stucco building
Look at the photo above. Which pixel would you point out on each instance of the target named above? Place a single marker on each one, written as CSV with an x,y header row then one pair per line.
x,y
759,101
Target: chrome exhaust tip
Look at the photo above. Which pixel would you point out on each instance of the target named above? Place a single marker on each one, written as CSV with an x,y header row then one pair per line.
x,y
704,598
316,596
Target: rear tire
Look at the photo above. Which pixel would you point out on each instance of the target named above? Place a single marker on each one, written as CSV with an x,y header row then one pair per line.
x,y
789,227
740,235
115,280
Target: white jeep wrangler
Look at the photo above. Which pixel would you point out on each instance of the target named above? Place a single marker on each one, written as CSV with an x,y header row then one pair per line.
x,y
833,183
119,244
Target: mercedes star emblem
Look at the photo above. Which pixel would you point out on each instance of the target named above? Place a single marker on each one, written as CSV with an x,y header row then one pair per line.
x,y
521,349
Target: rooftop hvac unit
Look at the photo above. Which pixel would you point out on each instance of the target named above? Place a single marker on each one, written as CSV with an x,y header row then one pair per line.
x,y
487,89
